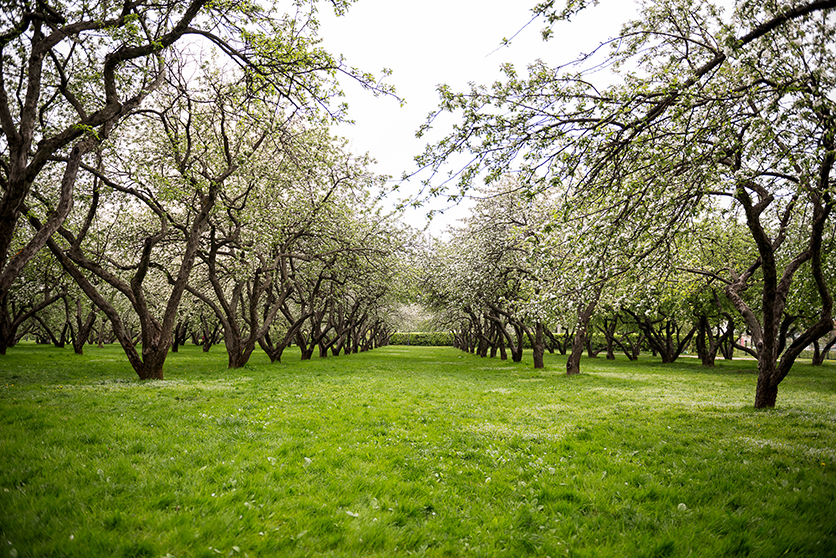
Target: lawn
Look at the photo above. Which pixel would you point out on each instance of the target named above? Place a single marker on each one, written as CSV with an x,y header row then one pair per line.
x,y
411,451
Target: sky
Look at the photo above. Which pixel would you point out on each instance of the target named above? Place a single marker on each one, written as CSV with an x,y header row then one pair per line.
x,y
431,42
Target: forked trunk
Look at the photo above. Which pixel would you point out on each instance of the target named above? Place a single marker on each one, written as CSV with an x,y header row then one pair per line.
x,y
78,345
483,346
236,358
276,355
83,330
820,353
609,335
706,343
151,365
573,363
238,350
517,353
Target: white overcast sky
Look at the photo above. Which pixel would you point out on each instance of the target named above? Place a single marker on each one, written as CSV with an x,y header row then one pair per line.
x,y
430,42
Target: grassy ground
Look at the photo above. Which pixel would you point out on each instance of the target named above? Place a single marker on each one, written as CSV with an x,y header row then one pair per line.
x,y
411,451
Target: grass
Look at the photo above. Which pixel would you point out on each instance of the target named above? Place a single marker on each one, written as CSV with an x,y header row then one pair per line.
x,y
411,451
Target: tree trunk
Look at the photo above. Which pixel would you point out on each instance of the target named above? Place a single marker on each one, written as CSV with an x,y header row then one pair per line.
x,y
175,343
49,336
517,350
482,349
821,353
551,342
564,345
237,352
16,188
592,353
101,336
6,335
275,351
10,323
539,346
660,334
276,354
83,328
727,343
79,339
630,348
181,333
637,348
573,363
766,393
338,346
609,335
307,351
157,334
65,334
237,360
706,343
151,366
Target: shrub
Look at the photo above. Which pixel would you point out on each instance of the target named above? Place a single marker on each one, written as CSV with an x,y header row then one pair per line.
x,y
422,339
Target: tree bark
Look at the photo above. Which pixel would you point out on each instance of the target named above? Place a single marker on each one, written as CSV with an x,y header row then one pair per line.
x,y
821,352
766,331
573,363
538,346
608,330
83,327
9,323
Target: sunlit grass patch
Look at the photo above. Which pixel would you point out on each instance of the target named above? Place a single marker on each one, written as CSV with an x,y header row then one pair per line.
x,y
410,450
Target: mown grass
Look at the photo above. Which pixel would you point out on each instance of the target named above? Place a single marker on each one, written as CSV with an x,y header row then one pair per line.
x,y
411,451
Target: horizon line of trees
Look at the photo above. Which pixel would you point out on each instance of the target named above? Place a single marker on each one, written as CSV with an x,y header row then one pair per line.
x,y
495,290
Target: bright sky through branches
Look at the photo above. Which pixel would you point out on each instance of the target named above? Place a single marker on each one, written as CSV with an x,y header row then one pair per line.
x,y
443,41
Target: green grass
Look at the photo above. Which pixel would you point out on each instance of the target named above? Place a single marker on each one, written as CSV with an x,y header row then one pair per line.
x,y
411,451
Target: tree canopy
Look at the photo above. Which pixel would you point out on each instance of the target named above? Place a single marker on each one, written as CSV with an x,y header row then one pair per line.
x,y
700,122
672,189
